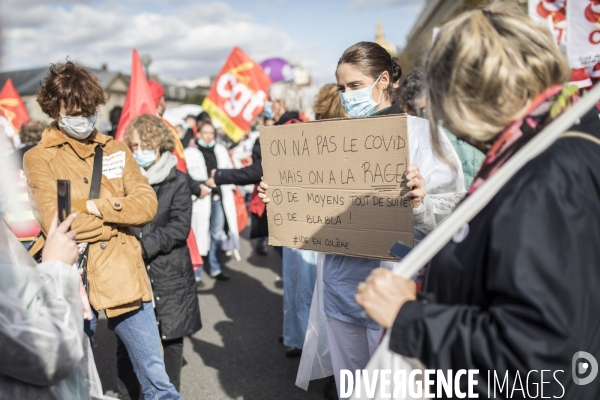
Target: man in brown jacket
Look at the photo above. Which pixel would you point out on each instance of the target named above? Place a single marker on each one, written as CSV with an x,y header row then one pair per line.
x,y
118,280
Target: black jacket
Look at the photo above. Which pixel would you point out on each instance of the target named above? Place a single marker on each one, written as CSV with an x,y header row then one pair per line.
x,y
392,110
243,176
189,136
520,292
168,258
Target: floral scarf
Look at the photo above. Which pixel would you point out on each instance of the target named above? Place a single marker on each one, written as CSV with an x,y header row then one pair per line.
x,y
543,110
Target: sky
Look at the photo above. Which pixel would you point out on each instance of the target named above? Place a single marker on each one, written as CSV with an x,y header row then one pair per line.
x,y
190,38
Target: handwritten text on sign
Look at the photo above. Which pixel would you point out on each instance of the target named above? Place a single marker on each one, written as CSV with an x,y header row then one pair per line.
x,y
337,186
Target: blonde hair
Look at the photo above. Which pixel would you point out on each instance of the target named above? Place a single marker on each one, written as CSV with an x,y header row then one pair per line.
x,y
328,103
485,67
154,133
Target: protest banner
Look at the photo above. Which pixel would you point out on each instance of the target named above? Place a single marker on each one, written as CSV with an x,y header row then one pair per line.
x,y
337,186
553,14
583,40
557,17
238,94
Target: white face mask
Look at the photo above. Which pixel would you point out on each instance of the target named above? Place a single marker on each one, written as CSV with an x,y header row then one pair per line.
x,y
78,127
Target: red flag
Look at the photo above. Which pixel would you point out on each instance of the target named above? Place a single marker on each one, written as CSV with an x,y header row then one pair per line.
x,y
194,253
238,94
178,152
139,97
12,108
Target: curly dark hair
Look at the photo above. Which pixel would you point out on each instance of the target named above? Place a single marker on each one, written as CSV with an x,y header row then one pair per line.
x,y
31,132
154,133
73,87
412,87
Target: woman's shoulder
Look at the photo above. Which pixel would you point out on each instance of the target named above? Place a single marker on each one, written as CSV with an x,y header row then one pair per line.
x,y
114,146
181,181
179,176
192,152
221,151
568,169
37,156
221,148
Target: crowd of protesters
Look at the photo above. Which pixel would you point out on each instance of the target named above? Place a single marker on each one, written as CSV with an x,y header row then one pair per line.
x,y
512,293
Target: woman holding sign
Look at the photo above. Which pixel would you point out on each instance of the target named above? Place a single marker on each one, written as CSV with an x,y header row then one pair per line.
x,y
365,75
516,289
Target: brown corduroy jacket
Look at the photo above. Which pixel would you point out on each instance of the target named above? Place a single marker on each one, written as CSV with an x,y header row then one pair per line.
x,y
118,280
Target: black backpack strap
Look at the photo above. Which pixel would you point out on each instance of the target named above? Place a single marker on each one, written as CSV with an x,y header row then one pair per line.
x,y
96,173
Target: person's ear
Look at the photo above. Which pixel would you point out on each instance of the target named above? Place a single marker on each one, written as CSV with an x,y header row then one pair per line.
x,y
384,81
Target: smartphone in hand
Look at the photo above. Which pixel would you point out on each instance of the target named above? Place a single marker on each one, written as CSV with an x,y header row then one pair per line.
x,y
63,190
400,250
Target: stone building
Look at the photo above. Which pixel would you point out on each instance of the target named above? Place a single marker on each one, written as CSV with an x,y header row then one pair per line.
x,y
383,42
115,84
435,13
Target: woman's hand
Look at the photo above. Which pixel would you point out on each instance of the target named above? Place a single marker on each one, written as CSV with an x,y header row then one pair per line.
x,y
210,182
383,294
204,191
416,184
60,243
262,191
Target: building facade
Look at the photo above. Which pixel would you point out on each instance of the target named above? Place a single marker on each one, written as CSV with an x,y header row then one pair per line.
x,y
435,13
115,85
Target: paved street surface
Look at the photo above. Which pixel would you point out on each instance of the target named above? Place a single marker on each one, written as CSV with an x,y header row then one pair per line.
x,y
236,355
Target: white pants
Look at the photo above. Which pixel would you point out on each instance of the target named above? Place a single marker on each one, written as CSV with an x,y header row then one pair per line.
x,y
351,346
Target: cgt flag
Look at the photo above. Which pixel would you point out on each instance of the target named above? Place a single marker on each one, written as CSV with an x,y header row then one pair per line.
x,y
238,94
13,113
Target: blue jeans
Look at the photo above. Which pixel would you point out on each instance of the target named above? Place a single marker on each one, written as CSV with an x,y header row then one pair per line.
x,y
217,235
198,274
139,332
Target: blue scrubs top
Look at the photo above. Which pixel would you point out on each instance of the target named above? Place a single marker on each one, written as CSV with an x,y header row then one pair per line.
x,y
341,275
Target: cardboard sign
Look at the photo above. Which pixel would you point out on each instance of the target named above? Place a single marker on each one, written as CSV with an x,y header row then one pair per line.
x,y
238,94
338,186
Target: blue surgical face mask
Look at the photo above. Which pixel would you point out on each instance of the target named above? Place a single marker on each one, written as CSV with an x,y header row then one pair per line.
x,y
268,110
145,158
204,144
360,103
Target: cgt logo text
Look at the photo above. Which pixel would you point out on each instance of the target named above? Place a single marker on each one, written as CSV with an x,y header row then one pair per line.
x,y
462,384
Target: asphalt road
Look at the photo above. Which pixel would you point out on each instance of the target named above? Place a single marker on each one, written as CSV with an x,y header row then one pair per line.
x,y
236,355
